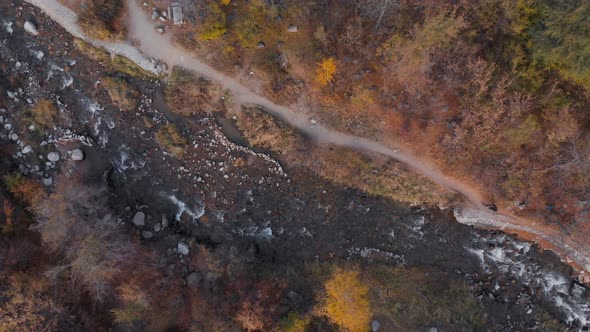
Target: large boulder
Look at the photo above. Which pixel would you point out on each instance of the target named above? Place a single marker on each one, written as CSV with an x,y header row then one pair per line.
x,y
183,248
294,297
31,28
77,154
139,219
53,156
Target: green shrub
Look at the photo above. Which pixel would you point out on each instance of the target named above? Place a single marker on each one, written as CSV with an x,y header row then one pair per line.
x,y
561,38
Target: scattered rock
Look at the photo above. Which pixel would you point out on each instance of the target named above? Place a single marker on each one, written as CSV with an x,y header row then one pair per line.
x,y
147,234
27,149
31,28
261,45
7,126
293,28
375,326
47,181
53,156
157,227
183,248
160,29
139,219
164,221
32,127
193,279
433,329
77,154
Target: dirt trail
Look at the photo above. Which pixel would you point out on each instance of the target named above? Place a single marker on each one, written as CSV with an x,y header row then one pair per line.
x,y
155,45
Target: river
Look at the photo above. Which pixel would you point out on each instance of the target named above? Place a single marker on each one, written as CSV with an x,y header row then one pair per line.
x,y
155,45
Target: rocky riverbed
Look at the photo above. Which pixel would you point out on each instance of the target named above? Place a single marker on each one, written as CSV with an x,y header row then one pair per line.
x,y
226,196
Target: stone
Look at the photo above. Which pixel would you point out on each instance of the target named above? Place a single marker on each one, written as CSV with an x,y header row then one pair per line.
x,y
164,221
193,279
293,28
375,326
7,126
77,154
283,60
31,28
577,290
294,297
53,156
27,149
48,181
14,137
32,127
433,329
261,45
147,235
139,219
182,248
160,29
157,227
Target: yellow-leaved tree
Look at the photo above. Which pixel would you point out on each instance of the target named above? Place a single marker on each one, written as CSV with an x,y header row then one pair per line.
x,y
326,71
346,301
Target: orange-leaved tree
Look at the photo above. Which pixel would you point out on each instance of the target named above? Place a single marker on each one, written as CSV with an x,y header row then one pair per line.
x,y
346,301
326,71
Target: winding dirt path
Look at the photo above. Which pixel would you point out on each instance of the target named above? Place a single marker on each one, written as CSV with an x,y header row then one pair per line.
x,y
154,45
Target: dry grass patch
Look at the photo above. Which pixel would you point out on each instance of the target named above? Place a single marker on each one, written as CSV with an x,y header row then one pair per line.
x,y
103,19
343,166
121,93
44,113
188,94
115,63
170,138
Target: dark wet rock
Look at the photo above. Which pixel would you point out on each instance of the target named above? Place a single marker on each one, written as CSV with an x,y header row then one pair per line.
x,y
139,219
147,234
193,279
577,290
